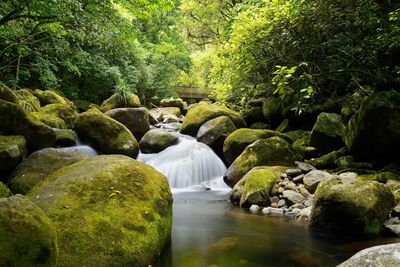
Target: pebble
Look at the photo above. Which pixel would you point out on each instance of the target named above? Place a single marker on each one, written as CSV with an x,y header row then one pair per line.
x,y
291,186
298,178
280,190
274,199
302,190
293,197
274,205
254,208
305,167
281,203
266,211
284,175
293,172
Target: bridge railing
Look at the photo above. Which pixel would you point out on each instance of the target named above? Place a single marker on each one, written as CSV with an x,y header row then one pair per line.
x,y
191,92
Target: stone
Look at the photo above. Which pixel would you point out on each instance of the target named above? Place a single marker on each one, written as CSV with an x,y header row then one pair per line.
x,y
312,179
198,114
174,126
304,167
266,211
359,208
253,115
273,151
254,209
65,112
39,165
259,125
305,214
82,105
109,210
120,100
25,96
238,140
16,121
283,127
215,130
298,179
293,172
293,197
291,186
7,94
392,226
353,103
27,235
65,138
4,191
106,134
272,111
12,151
302,190
328,160
171,102
156,140
157,114
135,119
327,133
47,97
281,203
381,177
50,120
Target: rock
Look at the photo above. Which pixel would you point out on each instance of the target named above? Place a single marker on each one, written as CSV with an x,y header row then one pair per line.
x,y
359,208
304,167
39,165
273,151
253,115
16,121
298,179
27,236
106,134
50,120
109,210
201,113
174,126
392,226
281,203
49,97
373,133
266,211
67,113
295,135
157,114
293,172
328,160
394,187
7,94
65,138
305,214
121,100
353,102
171,102
302,190
272,111
293,197
348,177
312,179
238,140
283,127
327,133
303,140
82,105
259,125
254,208
12,150
290,186
381,177
4,191
384,255
26,96
135,119
170,119
157,140
215,129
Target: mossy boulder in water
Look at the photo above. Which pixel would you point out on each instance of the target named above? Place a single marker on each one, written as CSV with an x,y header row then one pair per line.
x,y
238,140
327,133
273,151
65,112
357,208
198,114
27,236
373,133
135,119
50,97
25,96
39,165
12,150
172,102
109,210
50,120
106,134
157,140
7,94
65,138
4,191
121,100
16,121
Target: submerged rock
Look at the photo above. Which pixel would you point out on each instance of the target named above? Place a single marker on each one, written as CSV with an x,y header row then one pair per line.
x,y
157,140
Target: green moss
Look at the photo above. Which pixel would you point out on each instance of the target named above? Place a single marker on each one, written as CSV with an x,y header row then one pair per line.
x,y
65,112
109,211
327,133
381,177
171,102
7,94
49,97
50,120
26,97
4,191
157,140
65,138
328,160
215,129
122,100
12,150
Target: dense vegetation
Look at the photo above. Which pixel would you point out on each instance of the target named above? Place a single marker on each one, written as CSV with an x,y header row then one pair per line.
x,y
303,51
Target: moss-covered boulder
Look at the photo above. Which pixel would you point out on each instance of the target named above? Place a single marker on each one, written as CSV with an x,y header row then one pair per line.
x,y
12,150
47,97
109,210
16,121
172,102
357,208
157,140
373,133
382,177
7,94
238,140
25,96
65,138
39,165
106,134
50,120
328,160
82,105
253,115
273,151
198,114
272,111
121,100
352,103
4,191
259,125
27,236
65,112
135,119
327,133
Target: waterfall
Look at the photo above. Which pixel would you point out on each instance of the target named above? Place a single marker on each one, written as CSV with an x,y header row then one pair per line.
x,y
187,164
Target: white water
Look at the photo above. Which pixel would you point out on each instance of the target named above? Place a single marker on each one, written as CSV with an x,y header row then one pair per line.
x,y
188,165
81,147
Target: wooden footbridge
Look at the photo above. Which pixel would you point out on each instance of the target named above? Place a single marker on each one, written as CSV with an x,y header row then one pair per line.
x,y
191,93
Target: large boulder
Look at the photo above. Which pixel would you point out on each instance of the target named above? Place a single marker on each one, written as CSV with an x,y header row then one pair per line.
x,y
238,140
50,120
253,115
49,97
157,140
65,138
121,100
373,133
172,102
312,179
157,115
16,121
356,208
272,111
65,112
106,134
26,97
327,133
39,165
12,150
198,114
135,119
27,236
109,210
273,151
4,191
7,94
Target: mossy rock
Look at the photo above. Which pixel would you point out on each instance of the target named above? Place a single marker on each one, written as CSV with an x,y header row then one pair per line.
x,y
352,104
283,126
259,125
109,210
50,120
82,105
198,114
26,97
238,140
373,133
214,129
303,140
381,177
16,121
394,186
272,111
295,135
120,100
7,94
65,138
106,134
157,140
135,119
50,97
4,191
358,208
253,115
327,133
328,160
273,151
12,150
39,165
27,236
65,112
172,102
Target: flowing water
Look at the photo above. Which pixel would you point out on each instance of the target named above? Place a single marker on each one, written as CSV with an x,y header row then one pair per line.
x,y
209,231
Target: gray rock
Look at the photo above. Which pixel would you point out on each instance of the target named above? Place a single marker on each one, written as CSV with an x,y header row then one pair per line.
x,y
302,190
254,208
293,172
291,186
308,202
313,178
297,206
298,179
284,175
305,214
305,167
274,199
293,197
392,226
281,203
